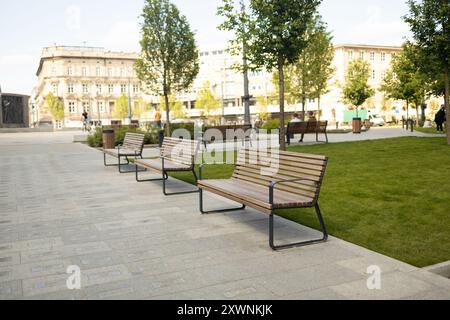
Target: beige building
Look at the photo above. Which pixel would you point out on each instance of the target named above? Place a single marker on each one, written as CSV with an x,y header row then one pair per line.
x,y
227,84
92,79
86,79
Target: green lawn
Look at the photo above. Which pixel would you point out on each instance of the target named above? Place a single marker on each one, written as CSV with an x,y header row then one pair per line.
x,y
428,130
391,196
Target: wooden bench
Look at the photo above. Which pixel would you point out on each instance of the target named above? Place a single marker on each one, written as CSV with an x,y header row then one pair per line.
x,y
177,155
296,184
132,146
240,132
306,127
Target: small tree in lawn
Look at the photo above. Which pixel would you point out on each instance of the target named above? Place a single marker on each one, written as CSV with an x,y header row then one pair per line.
x,y
356,88
277,36
430,24
404,81
169,58
55,106
120,111
176,107
207,101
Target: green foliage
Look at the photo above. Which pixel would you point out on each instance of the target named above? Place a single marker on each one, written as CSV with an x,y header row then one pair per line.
x,y
207,101
430,24
308,77
189,126
95,139
169,59
271,124
356,88
120,111
273,34
177,109
55,106
404,81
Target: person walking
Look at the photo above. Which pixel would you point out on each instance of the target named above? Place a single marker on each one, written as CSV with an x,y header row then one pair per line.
x,y
84,119
440,118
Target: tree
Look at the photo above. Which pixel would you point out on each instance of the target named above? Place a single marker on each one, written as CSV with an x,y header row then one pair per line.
x,y
322,50
176,107
430,24
277,35
55,106
404,81
207,101
169,58
120,108
356,88
237,20
308,77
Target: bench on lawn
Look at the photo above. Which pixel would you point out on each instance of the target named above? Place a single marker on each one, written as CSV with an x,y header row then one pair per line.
x,y
177,155
296,184
240,132
132,146
306,127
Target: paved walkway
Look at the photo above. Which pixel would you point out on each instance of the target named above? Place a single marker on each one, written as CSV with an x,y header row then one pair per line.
x,y
59,207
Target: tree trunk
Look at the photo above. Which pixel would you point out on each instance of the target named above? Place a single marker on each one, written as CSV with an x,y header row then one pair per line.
x,y
247,119
417,115
303,108
447,102
318,109
166,101
281,90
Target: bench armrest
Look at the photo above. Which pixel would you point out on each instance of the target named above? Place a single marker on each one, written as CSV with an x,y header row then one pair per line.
x,y
273,184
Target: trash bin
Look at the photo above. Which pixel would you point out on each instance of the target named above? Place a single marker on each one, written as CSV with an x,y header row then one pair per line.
x,y
109,139
357,124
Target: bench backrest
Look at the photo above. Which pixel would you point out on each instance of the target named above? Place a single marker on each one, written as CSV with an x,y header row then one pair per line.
x,y
264,168
134,141
241,131
307,127
181,151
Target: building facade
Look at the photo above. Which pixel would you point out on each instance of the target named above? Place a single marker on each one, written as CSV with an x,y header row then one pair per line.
x,y
91,79
85,79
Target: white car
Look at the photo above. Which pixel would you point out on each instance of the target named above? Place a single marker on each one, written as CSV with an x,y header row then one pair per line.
x,y
376,120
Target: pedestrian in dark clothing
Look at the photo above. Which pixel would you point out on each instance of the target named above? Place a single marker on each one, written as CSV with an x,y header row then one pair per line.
x,y
440,118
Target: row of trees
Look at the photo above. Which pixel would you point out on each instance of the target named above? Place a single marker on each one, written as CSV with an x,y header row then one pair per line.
x,y
288,36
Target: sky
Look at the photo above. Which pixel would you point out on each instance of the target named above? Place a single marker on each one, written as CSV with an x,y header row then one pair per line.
x,y
27,26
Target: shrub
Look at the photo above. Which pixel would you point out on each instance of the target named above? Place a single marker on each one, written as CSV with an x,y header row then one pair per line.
x,y
95,140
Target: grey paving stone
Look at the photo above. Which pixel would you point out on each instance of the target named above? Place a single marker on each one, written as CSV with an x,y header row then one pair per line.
x,y
131,242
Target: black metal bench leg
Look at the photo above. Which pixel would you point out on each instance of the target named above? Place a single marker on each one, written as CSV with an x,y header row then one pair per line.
x,y
298,244
106,164
203,211
180,192
124,164
146,180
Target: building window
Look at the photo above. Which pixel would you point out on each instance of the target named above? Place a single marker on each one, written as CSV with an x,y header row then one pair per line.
x,y
84,71
53,70
123,88
86,107
110,88
99,88
110,72
100,107
135,88
69,71
85,88
72,108
70,88
372,56
55,89
350,55
383,56
98,72
374,75
122,72
361,55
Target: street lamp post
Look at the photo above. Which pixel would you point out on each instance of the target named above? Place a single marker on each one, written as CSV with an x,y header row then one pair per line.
x,y
1,108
